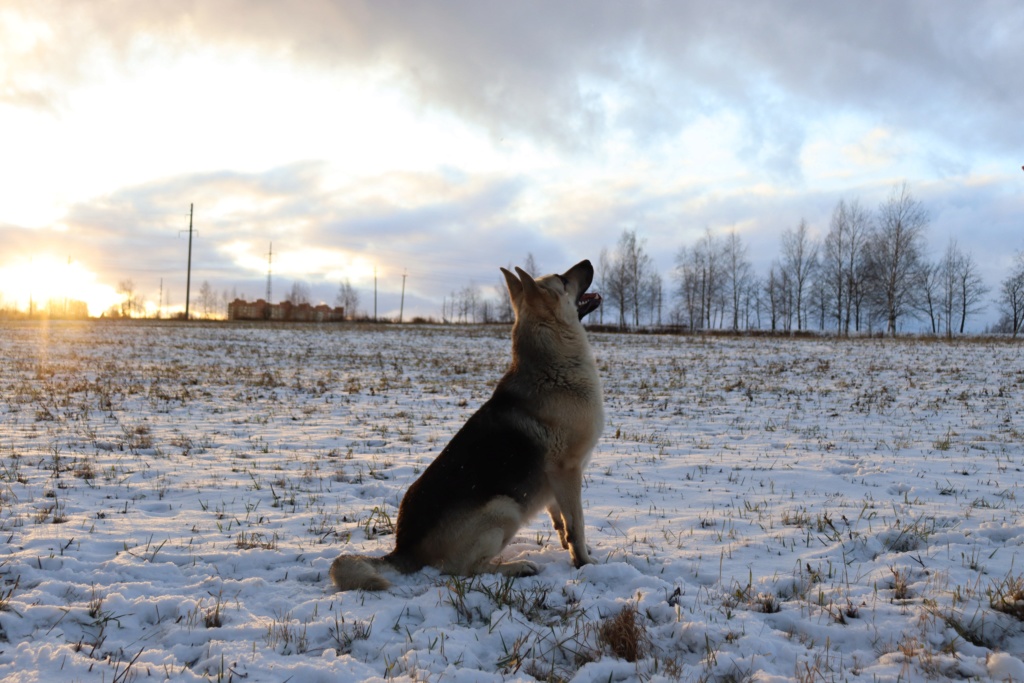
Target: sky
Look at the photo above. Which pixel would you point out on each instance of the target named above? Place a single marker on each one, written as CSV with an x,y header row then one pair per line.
x,y
431,143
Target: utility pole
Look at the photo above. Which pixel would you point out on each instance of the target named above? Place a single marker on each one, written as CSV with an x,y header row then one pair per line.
x,y
270,258
401,307
375,294
188,278
160,305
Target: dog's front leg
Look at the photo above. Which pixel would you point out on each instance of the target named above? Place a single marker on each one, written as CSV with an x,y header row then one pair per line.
x,y
556,521
567,484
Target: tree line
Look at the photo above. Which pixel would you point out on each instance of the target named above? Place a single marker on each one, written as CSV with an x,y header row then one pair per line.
x,y
868,273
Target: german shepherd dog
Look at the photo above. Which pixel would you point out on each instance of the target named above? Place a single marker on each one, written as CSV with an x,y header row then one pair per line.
x,y
524,450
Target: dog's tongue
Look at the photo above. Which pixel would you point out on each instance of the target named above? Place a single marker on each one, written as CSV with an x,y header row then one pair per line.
x,y
588,303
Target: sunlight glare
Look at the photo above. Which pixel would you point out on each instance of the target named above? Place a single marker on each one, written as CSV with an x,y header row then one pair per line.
x,y
45,282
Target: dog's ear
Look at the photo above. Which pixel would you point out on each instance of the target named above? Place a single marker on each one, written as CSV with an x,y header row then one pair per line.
x,y
530,288
515,289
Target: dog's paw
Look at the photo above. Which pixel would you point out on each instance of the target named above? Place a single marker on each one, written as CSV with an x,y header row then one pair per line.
x,y
579,559
528,569
519,568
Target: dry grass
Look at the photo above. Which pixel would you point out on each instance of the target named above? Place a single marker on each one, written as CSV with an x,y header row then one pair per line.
x,y
1007,596
625,634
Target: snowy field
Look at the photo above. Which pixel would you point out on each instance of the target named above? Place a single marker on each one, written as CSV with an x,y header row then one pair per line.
x,y
171,497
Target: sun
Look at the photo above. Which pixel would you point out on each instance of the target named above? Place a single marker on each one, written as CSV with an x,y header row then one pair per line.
x,y
47,284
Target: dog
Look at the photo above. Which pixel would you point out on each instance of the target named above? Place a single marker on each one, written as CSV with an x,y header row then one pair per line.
x,y
524,450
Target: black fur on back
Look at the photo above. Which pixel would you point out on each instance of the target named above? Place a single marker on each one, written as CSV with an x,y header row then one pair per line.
x,y
490,456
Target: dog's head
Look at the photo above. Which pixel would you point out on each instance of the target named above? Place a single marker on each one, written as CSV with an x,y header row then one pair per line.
x,y
562,297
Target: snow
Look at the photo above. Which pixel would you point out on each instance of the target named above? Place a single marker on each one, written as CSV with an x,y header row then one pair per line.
x,y
171,497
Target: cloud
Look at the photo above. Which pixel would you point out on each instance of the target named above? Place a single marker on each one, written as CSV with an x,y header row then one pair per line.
x,y
444,230
567,74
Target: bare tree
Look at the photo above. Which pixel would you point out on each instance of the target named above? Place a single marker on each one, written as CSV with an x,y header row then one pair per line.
x,y
348,298
799,258
777,292
737,274
464,305
503,308
688,274
601,280
951,290
971,288
225,300
894,255
930,294
298,294
820,301
486,310
530,265
1011,298
768,303
713,285
701,280
655,291
856,263
126,288
207,298
471,298
626,274
616,288
833,261
842,262
448,308
638,267
755,303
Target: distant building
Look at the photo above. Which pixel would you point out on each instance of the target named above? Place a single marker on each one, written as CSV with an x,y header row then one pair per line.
x,y
284,312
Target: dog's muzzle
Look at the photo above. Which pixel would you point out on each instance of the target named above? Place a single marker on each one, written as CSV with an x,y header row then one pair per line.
x,y
587,304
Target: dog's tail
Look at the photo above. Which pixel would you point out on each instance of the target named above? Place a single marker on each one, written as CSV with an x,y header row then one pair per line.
x,y
350,572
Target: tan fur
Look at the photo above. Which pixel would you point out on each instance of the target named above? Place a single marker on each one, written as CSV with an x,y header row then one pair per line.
x,y
524,451
351,571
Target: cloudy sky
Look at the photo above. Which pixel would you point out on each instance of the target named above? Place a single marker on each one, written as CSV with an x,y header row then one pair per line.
x,y
442,140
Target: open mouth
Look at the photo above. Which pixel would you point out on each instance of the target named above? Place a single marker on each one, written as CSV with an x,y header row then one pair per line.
x,y
587,303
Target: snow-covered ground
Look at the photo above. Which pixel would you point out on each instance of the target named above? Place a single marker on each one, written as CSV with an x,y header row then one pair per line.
x,y
171,497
